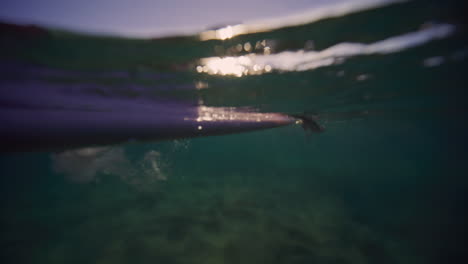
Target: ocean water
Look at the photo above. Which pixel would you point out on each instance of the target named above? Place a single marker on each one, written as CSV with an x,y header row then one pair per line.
x,y
384,183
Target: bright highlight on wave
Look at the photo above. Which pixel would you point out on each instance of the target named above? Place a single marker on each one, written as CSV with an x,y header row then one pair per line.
x,y
308,16
301,60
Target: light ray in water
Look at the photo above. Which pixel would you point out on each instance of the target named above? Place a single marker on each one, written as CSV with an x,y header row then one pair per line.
x,y
308,16
301,60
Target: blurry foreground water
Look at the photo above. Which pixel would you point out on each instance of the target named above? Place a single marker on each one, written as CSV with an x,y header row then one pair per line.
x,y
385,183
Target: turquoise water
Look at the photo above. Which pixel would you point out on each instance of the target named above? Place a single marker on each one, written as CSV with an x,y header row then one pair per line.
x,y
384,183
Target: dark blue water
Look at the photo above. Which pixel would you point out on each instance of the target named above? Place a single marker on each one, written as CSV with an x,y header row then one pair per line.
x,y
384,183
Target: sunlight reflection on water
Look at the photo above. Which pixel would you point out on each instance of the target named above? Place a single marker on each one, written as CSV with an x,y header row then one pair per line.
x,y
254,64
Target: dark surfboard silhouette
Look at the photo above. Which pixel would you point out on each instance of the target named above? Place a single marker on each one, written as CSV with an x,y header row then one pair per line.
x,y
37,116
55,130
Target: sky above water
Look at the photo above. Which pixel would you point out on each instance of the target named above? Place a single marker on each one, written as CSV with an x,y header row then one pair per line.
x,y
149,17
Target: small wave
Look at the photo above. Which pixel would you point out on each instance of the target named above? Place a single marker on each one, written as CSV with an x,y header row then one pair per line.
x,y
307,16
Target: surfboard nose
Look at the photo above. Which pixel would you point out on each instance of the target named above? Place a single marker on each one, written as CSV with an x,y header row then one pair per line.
x,y
218,120
222,114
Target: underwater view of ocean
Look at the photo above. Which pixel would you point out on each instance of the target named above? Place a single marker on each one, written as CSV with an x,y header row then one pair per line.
x,y
384,182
